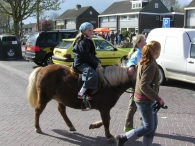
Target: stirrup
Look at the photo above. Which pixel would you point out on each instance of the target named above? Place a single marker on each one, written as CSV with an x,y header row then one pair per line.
x,y
86,104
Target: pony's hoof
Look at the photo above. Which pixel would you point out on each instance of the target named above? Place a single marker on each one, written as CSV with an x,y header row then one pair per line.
x,y
72,129
91,126
112,140
38,131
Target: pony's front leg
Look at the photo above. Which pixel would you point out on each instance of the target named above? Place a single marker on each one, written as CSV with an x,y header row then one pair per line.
x,y
62,110
105,115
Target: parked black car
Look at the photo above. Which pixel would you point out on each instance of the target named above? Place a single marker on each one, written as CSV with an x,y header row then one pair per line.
x,y
10,47
39,46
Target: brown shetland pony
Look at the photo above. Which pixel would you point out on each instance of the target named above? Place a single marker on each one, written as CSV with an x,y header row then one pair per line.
x,y
59,83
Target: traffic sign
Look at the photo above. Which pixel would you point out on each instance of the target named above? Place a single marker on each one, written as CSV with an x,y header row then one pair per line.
x,y
166,23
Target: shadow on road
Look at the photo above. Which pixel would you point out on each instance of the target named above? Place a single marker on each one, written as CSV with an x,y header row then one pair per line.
x,y
179,84
177,137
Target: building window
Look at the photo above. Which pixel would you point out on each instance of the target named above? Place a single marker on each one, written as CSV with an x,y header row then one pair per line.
x,y
94,22
60,22
132,17
112,18
190,13
104,19
156,5
136,4
90,12
70,21
123,18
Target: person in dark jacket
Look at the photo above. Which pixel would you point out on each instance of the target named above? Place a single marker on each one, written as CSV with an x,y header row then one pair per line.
x,y
85,59
112,37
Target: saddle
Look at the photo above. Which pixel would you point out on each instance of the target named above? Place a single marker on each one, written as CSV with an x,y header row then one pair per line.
x,y
80,82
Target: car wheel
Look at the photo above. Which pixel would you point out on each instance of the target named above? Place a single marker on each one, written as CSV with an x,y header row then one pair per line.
x,y
48,60
124,61
38,63
162,79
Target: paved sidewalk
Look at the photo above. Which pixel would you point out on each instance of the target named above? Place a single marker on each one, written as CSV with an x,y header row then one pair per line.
x,y
176,124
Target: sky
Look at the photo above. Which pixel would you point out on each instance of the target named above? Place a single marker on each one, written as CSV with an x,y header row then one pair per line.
x,y
98,5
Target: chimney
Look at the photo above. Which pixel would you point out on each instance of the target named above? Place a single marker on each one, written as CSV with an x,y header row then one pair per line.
x,y
78,6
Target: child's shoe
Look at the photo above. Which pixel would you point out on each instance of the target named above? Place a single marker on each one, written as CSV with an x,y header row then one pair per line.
x,y
81,96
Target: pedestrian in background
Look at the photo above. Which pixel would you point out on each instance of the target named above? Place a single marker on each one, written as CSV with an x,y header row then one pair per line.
x,y
146,94
107,36
112,37
116,37
119,39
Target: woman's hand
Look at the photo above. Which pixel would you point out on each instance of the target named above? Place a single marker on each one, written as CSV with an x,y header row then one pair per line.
x,y
131,71
162,102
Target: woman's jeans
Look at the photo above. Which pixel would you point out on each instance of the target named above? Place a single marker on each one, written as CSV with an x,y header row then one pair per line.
x,y
150,122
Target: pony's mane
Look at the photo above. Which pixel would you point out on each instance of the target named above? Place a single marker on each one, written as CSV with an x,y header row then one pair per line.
x,y
113,75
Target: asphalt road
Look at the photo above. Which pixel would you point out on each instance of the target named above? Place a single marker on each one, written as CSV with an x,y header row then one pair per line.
x,y
176,124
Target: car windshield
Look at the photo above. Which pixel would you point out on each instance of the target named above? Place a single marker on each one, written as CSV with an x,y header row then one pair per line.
x,y
64,45
32,39
9,40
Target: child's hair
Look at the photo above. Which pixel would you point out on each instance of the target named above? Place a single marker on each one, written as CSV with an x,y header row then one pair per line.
x,y
136,39
148,52
78,38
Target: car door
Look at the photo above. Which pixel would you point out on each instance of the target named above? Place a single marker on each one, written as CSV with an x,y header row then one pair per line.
x,y
190,75
107,54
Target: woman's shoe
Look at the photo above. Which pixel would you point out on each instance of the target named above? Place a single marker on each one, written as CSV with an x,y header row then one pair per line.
x,y
121,139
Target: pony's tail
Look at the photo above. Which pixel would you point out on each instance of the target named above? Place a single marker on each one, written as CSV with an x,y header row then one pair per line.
x,y
31,89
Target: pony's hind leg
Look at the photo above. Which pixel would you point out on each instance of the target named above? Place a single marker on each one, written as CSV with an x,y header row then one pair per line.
x,y
105,115
62,110
38,110
96,125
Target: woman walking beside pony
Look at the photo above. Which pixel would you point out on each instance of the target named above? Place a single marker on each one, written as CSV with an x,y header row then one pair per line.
x,y
146,94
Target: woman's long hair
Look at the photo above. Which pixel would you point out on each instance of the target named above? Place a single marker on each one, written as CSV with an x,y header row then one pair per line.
x,y
136,39
148,52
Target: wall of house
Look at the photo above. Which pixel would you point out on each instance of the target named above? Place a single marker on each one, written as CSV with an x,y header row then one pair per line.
x,y
148,22
70,26
155,6
108,24
90,15
178,19
128,24
190,18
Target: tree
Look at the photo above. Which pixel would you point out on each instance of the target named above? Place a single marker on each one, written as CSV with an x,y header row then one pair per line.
x,y
171,3
46,5
5,23
54,16
19,10
46,25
